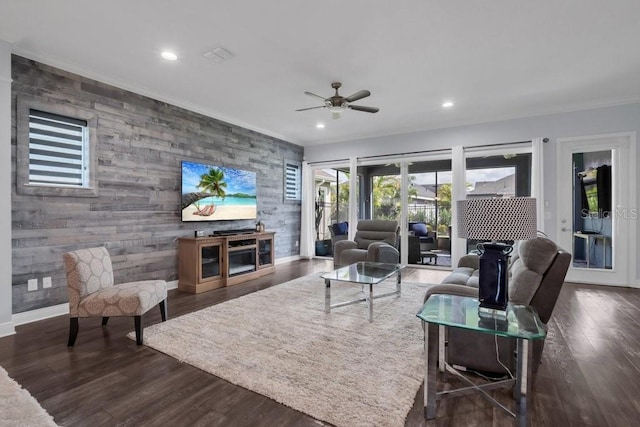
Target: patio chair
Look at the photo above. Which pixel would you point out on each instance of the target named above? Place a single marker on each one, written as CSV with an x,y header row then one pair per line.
x,y
339,231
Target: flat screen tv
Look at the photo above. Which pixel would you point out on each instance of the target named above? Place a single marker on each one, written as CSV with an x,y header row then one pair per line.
x,y
211,193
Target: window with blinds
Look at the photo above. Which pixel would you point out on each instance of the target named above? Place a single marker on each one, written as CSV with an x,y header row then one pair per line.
x,y
292,181
57,150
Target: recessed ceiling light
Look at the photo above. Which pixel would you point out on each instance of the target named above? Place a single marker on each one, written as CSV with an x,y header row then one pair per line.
x,y
447,104
169,56
320,125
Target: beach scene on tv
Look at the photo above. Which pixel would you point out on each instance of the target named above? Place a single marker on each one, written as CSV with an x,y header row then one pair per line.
x,y
212,193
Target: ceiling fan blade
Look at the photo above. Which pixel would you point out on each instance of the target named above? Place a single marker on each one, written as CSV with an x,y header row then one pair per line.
x,y
358,95
310,108
313,94
365,109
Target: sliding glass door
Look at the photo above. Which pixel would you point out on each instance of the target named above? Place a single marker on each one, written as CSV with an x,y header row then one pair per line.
x,y
331,206
416,192
429,213
381,188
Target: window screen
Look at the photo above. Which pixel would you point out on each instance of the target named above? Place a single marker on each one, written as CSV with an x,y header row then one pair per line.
x,y
292,181
57,150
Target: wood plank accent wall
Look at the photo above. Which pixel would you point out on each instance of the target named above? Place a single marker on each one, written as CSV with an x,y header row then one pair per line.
x,y
136,215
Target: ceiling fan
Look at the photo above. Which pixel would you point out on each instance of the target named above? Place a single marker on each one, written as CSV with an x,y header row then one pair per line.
x,y
337,104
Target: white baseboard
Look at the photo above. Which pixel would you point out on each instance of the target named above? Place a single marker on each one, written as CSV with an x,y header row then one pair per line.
x,y
7,329
62,309
287,260
53,311
40,314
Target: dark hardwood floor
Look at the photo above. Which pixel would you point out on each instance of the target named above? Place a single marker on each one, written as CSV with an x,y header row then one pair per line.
x,y
590,374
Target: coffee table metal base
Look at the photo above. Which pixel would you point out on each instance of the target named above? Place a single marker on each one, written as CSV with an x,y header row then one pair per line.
x,y
368,298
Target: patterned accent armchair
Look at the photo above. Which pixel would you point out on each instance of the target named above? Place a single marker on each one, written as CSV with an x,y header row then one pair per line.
x,y
93,294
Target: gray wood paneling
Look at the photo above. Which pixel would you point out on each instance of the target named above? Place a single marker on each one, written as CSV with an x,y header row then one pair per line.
x,y
141,142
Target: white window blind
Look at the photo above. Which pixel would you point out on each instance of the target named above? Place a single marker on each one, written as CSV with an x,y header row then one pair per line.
x,y
292,181
57,150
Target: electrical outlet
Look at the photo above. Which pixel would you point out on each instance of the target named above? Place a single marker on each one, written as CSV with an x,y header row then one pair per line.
x,y
297,243
46,282
32,285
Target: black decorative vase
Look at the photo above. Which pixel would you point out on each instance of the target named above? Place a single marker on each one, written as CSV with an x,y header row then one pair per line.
x,y
493,287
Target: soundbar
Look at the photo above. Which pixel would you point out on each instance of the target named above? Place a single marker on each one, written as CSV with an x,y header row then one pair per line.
x,y
232,232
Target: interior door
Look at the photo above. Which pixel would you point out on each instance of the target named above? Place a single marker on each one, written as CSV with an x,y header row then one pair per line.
x,y
594,209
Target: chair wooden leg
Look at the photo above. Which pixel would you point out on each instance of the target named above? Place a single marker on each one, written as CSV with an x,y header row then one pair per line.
x,y
163,310
138,321
104,321
73,331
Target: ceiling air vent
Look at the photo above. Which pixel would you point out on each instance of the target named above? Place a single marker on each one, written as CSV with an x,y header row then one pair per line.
x,y
218,54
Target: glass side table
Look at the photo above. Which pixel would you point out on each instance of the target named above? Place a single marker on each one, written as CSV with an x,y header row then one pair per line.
x,y
519,322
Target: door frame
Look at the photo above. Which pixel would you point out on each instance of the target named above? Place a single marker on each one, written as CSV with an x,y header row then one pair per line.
x,y
623,150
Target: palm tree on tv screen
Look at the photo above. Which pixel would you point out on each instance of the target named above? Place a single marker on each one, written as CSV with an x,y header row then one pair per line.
x,y
213,183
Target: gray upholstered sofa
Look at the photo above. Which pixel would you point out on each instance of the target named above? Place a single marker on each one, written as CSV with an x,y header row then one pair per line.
x,y
536,274
466,273
375,240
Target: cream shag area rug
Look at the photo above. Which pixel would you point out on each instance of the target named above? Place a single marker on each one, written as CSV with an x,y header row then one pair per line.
x,y
336,367
18,407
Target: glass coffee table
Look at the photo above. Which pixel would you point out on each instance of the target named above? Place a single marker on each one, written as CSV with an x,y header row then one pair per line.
x,y
519,322
362,273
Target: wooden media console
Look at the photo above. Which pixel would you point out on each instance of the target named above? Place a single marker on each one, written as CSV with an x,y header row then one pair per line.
x,y
206,263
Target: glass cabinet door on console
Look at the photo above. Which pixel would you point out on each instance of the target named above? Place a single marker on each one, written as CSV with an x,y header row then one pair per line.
x,y
265,252
200,264
210,261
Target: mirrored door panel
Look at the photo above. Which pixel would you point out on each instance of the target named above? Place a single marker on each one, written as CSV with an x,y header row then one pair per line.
x,y
591,204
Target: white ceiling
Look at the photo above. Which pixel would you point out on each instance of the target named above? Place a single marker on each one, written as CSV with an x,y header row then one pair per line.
x,y
496,59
